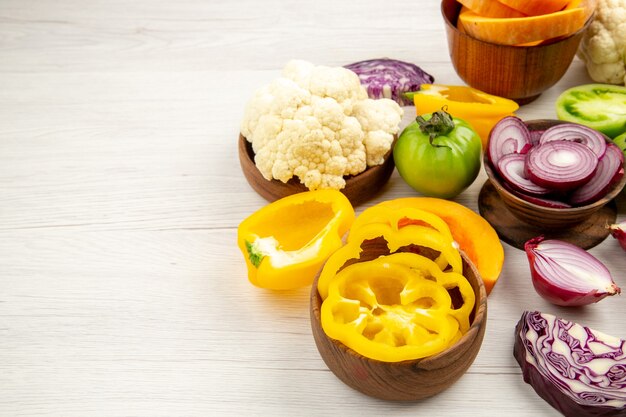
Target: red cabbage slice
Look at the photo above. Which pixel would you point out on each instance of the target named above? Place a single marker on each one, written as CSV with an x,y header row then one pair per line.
x,y
577,370
390,78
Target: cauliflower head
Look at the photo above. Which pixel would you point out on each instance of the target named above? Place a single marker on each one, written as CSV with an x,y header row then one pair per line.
x,y
603,47
316,123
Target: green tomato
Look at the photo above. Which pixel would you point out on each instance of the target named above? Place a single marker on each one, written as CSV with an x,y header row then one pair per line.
x,y
438,155
599,106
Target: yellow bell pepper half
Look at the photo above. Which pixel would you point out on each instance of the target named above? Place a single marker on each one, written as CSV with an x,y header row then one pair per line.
x,y
285,243
481,110
396,307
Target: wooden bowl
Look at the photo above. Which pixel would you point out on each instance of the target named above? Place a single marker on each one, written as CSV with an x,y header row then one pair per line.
x,y
547,217
520,73
407,380
358,189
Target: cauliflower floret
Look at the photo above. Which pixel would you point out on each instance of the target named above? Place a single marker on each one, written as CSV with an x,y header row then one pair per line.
x,y
603,47
317,124
380,120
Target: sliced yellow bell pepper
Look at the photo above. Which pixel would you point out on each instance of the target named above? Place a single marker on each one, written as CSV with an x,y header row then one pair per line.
x,y
286,242
396,307
481,110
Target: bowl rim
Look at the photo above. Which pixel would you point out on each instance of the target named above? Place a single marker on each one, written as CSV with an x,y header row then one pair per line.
x,y
546,43
495,180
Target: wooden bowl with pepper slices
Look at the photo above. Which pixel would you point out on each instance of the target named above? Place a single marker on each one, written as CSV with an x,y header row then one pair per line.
x,y
407,380
359,188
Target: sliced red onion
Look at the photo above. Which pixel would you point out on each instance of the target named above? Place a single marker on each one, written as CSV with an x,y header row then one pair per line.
x,y
390,78
535,135
560,165
577,370
509,135
511,167
618,231
567,275
610,170
540,201
576,133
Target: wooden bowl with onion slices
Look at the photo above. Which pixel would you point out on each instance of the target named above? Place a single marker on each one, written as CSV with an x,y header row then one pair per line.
x,y
408,380
358,189
516,219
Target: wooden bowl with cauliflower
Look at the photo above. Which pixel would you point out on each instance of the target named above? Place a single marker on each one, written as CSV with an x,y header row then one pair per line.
x,y
315,128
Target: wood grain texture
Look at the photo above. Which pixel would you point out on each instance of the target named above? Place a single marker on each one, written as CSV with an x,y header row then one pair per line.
x,y
122,292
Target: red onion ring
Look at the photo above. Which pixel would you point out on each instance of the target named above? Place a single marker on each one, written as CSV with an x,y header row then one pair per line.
x,y
509,135
560,165
610,170
512,169
576,133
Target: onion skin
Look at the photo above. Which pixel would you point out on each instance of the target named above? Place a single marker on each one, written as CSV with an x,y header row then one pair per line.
x,y
618,232
550,376
558,293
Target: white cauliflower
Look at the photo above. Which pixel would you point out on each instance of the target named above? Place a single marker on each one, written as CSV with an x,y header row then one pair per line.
x,y
317,123
603,47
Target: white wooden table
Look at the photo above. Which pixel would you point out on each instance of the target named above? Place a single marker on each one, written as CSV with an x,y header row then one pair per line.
x,y
122,291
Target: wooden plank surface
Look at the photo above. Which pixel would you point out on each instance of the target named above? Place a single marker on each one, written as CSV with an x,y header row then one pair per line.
x,y
122,292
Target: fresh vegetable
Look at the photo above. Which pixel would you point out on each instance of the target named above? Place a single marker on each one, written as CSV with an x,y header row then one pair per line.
x,y
396,307
599,106
618,231
438,155
390,78
472,233
481,110
579,371
286,242
620,141
575,133
520,30
397,236
509,135
560,165
567,275
490,8
535,7
603,46
512,167
610,170
566,165
316,123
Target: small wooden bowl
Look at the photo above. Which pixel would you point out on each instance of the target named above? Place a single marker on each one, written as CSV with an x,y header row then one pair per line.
x,y
520,73
547,217
358,189
408,380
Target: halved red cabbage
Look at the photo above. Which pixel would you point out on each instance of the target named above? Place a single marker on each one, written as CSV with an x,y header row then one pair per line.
x,y
577,370
390,78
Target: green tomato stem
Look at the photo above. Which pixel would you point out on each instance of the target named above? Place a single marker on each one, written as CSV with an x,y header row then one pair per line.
x,y
439,124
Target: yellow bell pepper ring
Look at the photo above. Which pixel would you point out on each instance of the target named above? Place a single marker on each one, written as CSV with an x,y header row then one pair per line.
x,y
396,307
286,242
411,237
481,110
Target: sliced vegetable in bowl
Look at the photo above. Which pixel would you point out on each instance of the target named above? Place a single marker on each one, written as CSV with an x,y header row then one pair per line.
x,y
390,78
577,370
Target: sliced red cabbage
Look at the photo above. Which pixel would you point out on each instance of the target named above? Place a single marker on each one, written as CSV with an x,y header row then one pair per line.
x,y
576,133
390,78
610,170
577,370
